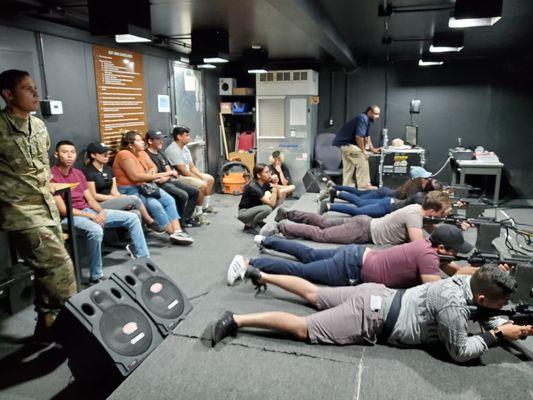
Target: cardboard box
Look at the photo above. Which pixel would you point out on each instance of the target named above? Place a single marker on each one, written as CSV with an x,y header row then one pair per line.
x,y
243,91
247,159
226,107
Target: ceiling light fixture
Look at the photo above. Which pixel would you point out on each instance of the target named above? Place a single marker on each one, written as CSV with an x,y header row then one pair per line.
x,y
255,59
423,63
444,42
128,38
474,13
211,45
206,66
257,71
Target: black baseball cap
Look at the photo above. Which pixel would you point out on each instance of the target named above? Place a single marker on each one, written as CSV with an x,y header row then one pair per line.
x,y
98,148
153,134
451,237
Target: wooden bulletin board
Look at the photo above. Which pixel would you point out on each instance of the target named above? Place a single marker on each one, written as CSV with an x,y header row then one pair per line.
x,y
119,92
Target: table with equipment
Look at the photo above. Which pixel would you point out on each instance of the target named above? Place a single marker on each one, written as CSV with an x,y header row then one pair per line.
x,y
478,167
396,163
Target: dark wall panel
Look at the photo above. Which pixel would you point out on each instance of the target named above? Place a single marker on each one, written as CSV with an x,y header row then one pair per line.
x,y
70,78
156,81
212,108
484,103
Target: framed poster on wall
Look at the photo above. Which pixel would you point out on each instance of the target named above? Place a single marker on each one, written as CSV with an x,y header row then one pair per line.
x,y
120,93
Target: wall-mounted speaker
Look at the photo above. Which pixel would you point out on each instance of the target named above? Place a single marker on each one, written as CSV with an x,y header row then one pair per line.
x,y
226,85
154,291
105,334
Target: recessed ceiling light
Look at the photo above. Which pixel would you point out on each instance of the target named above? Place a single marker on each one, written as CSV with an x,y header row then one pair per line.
x,y
472,22
444,49
215,60
422,63
127,38
206,66
257,71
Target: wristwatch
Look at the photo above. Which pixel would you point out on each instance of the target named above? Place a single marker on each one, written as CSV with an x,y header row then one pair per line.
x,y
498,333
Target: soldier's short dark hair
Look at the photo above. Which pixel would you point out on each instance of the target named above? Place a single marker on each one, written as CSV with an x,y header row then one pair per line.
x,y
64,143
10,78
180,130
492,282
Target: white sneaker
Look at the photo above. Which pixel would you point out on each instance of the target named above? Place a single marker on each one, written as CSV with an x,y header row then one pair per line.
x,y
181,238
236,269
258,240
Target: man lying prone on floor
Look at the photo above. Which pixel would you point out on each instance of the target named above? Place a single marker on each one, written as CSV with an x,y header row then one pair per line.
x,y
426,314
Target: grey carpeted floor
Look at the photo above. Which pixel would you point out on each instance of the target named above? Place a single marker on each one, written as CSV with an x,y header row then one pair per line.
x,y
258,364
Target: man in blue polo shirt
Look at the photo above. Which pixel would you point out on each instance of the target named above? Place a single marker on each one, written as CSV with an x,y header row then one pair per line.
x,y
352,139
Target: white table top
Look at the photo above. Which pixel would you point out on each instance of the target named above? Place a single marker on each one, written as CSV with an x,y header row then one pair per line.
x,y
479,163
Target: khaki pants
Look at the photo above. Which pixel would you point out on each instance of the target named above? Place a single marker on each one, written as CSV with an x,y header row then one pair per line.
x,y
354,165
42,250
193,181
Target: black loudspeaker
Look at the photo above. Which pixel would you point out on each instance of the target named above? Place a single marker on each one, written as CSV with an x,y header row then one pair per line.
x,y
105,335
154,291
315,180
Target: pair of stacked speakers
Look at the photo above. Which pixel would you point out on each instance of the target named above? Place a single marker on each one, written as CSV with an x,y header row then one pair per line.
x,y
108,329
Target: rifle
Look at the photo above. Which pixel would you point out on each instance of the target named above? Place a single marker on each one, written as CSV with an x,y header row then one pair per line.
x,y
520,313
478,258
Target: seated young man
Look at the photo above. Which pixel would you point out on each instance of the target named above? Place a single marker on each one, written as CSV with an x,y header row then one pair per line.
x,y
401,266
180,156
279,169
187,197
426,314
398,227
89,216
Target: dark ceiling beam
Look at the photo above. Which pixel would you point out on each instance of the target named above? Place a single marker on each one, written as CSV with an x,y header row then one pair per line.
x,y
311,18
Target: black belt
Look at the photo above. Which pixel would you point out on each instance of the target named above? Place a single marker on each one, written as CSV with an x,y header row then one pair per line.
x,y
392,316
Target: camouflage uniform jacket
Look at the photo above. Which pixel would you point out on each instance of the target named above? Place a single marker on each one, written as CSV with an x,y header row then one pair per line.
x,y
25,198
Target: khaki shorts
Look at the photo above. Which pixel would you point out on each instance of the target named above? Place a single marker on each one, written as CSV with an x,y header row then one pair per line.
x,y
347,317
193,181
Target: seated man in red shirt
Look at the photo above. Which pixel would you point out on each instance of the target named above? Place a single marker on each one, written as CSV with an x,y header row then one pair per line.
x,y
401,266
89,216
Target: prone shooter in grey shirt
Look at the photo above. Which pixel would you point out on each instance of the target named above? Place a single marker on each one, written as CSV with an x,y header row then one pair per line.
x,y
433,312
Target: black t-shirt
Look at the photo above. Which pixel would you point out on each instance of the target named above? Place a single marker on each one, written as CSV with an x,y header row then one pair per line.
x,y
253,193
285,171
159,160
103,181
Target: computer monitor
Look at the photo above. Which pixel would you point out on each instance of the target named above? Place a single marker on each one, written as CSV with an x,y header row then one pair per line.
x,y
411,135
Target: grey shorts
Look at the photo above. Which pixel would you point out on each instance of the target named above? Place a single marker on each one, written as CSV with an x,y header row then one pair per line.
x,y
346,316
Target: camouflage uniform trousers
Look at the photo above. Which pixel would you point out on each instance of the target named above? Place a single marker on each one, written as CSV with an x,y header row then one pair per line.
x,y
43,250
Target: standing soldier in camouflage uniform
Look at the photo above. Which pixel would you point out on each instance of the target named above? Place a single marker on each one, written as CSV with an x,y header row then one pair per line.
x,y
27,208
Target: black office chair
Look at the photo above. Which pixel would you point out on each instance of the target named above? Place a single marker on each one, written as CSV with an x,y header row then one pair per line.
x,y
327,156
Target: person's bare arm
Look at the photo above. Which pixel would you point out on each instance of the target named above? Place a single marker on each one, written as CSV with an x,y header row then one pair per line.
x,y
183,170
414,234
92,201
62,208
130,169
425,278
371,146
195,171
271,200
361,144
114,190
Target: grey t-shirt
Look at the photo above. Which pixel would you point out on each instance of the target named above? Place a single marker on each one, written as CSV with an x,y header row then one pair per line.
x,y
438,312
392,228
178,156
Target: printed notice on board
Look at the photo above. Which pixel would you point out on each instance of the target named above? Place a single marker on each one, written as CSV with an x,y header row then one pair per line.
x,y
119,93
298,112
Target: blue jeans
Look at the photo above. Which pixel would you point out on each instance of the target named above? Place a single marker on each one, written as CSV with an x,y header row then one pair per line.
x,y
382,191
163,210
95,233
332,267
374,208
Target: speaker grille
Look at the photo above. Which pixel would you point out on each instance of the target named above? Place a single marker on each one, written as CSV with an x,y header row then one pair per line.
x,y
162,297
119,333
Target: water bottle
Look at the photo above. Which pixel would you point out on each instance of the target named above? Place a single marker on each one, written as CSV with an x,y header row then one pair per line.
x,y
385,138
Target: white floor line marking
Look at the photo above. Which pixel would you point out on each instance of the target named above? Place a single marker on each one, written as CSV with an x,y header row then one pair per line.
x,y
359,376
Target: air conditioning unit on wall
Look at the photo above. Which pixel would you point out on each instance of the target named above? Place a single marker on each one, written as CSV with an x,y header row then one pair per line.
x,y
299,82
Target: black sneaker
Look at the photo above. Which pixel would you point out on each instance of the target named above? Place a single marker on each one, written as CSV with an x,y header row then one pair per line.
x,y
254,274
250,230
281,214
332,195
93,282
155,227
223,327
191,223
323,207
